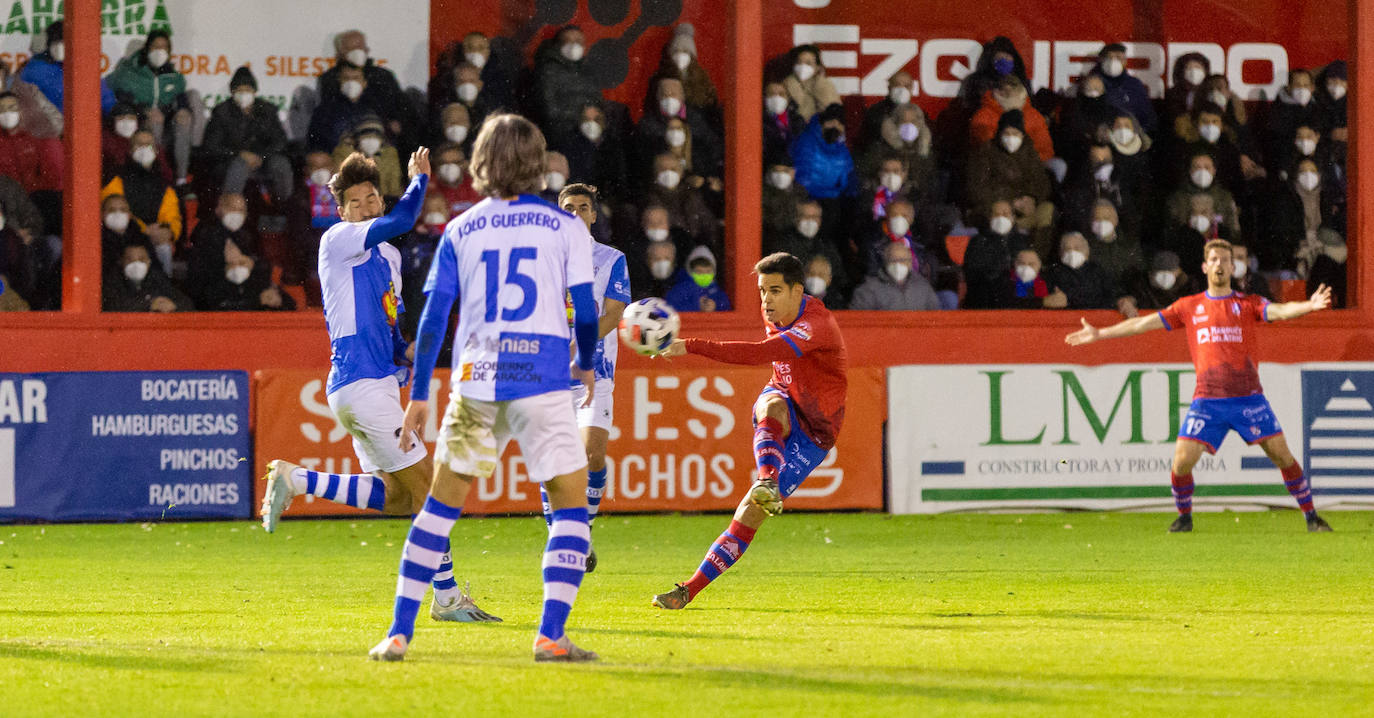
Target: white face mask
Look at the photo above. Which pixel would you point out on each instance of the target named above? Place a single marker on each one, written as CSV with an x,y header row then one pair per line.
x,y
1164,279
157,58
808,228
456,133
1011,142
892,181
1200,222
573,51
1308,180
669,178
320,177
1194,75
675,137
670,106
1210,132
352,89
1238,269
661,268
1336,90
1001,224
117,222
476,59
1306,147
1113,67
657,234
370,145
908,131
803,71
1092,94
1123,135
898,225
58,50
1073,259
1103,228
591,129
244,99
145,155
1301,95
136,271
233,221
555,181
436,219
1202,178
775,104
1104,172
682,60
467,92
450,173
126,127
1026,273
898,271
237,275
816,286
357,57
9,120
899,95
780,180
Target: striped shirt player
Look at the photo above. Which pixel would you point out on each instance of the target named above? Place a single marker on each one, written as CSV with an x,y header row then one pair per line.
x,y
797,416
1220,325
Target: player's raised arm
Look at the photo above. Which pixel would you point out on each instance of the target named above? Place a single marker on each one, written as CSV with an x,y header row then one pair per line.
x,y
1125,328
1320,299
402,217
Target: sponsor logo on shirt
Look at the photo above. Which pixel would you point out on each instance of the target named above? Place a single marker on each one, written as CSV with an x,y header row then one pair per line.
x,y
389,304
1220,335
801,330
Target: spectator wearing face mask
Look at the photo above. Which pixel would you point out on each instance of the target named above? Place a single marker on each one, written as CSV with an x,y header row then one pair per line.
x,y
1186,236
563,83
1296,106
555,176
998,59
597,158
1131,157
686,206
243,284
1328,266
1117,252
652,132
1297,209
1122,89
781,123
1331,101
377,87
1096,180
464,87
808,87
1245,276
151,198
894,286
205,256
44,71
706,178
896,226
1086,285
454,126
150,82
679,61
1009,94
117,229
905,135
1201,179
492,57
988,259
1164,284
1190,70
369,137
803,238
245,139
781,196
137,284
417,253
886,183
1087,120
116,132
695,288
1008,166
900,92
653,275
1028,289
312,210
33,162
825,168
820,283
339,114
451,179
1214,137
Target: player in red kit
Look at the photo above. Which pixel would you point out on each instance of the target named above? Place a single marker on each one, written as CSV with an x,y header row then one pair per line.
x,y
1220,325
796,417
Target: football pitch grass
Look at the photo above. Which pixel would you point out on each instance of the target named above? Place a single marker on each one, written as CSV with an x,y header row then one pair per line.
x,y
826,615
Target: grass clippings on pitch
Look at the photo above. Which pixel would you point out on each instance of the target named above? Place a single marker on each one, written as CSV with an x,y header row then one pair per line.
x,y
826,615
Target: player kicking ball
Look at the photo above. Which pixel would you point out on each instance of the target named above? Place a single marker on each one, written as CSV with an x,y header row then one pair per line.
x,y
611,290
512,259
1220,325
360,278
796,417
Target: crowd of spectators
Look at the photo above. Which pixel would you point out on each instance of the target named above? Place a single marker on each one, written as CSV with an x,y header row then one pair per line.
x,y
1008,197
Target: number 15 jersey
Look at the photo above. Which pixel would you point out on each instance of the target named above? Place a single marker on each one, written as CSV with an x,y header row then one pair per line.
x,y
510,263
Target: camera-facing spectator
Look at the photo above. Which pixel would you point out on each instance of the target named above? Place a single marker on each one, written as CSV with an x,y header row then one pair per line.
x,y
563,83
151,198
150,82
822,160
1029,289
205,256
1294,107
1245,275
679,61
1122,89
1097,179
652,132
695,288
900,91
370,138
340,113
1190,70
1085,120
820,283
1009,94
1007,166
1084,282
811,91
1117,251
803,238
1165,283
451,179
781,124
312,210
464,86
116,141
243,284
137,284
1331,100
781,194
895,287
988,259
34,162
44,71
377,88
117,229
245,139
556,173
1187,235
1201,180
596,158
905,135
686,206
652,274
1296,210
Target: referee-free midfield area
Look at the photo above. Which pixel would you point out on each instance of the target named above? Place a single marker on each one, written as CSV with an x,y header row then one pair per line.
x,y
835,614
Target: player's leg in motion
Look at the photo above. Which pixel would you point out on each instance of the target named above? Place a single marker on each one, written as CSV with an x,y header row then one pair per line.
x,y
772,426
564,564
595,439
1186,454
1276,448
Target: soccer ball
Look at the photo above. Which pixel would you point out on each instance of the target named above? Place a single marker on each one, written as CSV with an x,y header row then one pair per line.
x,y
649,325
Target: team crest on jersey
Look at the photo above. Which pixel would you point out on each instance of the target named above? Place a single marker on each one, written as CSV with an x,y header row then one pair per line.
x,y
466,375
1200,309
802,331
1235,308
389,304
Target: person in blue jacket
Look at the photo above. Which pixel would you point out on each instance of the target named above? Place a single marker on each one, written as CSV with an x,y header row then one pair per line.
x,y
822,160
44,71
1122,89
696,288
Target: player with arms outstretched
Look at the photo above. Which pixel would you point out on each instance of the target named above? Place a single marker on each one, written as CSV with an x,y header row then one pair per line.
x,y
510,260
796,417
1220,325
360,279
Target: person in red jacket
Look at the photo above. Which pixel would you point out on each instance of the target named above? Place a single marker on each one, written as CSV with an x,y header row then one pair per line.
x,y
1009,95
34,163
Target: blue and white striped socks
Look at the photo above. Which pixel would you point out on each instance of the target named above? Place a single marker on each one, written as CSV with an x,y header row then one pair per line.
x,y
424,552
596,487
565,562
363,491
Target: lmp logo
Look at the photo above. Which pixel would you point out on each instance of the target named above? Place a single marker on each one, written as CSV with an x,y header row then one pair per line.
x,y
1338,418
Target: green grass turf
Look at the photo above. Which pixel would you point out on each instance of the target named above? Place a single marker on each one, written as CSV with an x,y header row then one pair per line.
x,y
826,615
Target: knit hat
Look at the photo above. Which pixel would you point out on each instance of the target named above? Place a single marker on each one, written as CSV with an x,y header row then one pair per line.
x,y
243,76
684,38
1011,118
1111,47
701,252
1164,261
833,111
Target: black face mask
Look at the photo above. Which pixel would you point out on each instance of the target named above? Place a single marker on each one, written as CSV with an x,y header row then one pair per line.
x,y
831,134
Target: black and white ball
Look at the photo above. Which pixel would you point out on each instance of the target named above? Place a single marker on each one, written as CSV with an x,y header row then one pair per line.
x,y
649,325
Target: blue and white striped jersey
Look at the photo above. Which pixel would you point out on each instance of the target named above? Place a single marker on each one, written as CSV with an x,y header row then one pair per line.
x,y
612,282
362,300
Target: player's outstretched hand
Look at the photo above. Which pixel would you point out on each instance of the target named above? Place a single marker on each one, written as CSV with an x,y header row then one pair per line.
x,y
1086,335
419,162
588,379
677,349
417,412
1321,299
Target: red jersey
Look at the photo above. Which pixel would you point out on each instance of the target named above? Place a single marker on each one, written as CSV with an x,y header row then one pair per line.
x,y
809,365
1221,335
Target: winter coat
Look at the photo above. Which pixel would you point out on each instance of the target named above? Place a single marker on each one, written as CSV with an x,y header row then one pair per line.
x,y
36,163
811,96
134,82
42,71
983,127
561,88
987,262
825,169
1129,93
151,199
993,174
1088,287
601,164
880,292
686,295
231,131
119,294
333,120
778,133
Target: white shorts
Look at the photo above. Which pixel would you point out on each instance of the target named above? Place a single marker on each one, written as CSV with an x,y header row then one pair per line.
x,y
601,412
474,434
370,410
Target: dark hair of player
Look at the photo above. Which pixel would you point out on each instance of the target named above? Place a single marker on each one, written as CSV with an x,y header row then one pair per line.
x,y
1217,244
785,264
508,157
577,189
356,169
